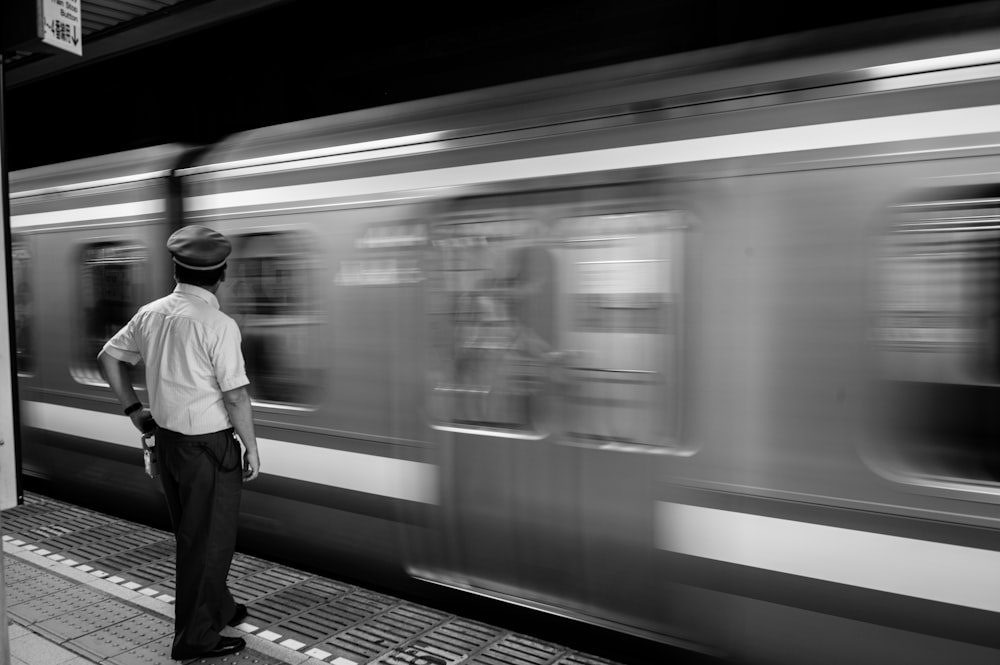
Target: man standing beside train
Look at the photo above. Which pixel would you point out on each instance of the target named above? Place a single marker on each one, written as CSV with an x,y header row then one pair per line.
x,y
197,384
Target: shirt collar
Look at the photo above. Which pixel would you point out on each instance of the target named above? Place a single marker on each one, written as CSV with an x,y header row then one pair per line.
x,y
198,292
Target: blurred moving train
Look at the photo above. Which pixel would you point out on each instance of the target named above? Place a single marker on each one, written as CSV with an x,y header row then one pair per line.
x,y
703,348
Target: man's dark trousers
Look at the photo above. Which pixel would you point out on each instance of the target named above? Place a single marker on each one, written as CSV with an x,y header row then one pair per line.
x,y
202,479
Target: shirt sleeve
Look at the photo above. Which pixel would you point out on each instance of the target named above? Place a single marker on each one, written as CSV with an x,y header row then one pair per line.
x,y
230,368
124,346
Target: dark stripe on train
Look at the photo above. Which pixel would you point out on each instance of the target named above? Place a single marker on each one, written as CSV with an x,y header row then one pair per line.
x,y
872,518
55,446
953,622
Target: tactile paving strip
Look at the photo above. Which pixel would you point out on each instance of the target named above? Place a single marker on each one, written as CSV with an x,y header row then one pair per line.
x,y
247,657
124,636
87,620
15,571
157,651
35,587
333,622
54,604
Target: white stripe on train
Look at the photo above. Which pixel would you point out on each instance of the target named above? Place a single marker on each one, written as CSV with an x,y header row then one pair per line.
x,y
372,474
941,572
867,131
110,211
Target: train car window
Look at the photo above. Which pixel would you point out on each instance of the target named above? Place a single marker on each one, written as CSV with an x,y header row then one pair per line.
x,y
270,290
567,325
488,363
112,286
24,318
621,277
936,333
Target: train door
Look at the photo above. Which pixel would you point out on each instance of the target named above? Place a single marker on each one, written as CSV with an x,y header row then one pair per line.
x,y
551,334
506,494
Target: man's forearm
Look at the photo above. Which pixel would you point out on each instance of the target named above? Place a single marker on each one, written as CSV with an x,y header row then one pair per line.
x,y
116,374
240,411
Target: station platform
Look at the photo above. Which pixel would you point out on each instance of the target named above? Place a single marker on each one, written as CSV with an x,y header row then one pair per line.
x,y
83,587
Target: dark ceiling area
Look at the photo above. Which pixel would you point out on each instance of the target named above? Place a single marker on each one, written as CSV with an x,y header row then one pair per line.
x,y
295,59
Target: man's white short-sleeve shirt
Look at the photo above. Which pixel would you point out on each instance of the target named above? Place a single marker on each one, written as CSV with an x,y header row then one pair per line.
x,y
192,354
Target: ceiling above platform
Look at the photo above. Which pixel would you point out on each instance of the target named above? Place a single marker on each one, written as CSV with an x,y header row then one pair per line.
x,y
114,27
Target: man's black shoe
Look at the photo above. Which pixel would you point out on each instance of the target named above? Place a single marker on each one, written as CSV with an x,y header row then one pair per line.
x,y
224,647
239,616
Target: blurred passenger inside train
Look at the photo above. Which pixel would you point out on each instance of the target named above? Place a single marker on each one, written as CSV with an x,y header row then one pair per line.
x,y
504,354
497,358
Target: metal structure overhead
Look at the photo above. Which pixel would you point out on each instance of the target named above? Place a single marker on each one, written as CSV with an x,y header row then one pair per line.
x,y
160,71
114,27
103,14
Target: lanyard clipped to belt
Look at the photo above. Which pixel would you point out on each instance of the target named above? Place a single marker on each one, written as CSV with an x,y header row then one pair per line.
x,y
149,454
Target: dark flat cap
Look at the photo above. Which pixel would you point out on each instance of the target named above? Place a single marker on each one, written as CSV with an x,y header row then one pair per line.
x,y
199,248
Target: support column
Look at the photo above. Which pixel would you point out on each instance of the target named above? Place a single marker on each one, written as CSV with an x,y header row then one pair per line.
x,y
9,420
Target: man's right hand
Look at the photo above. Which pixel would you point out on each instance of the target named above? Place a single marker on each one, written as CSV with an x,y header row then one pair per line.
x,y
251,465
143,421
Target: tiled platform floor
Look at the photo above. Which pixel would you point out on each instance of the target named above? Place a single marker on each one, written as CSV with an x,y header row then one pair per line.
x,y
27,648
82,587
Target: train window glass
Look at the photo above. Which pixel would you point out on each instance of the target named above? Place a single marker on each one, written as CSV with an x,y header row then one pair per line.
x,y
112,286
488,363
621,277
568,325
23,305
270,290
936,333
